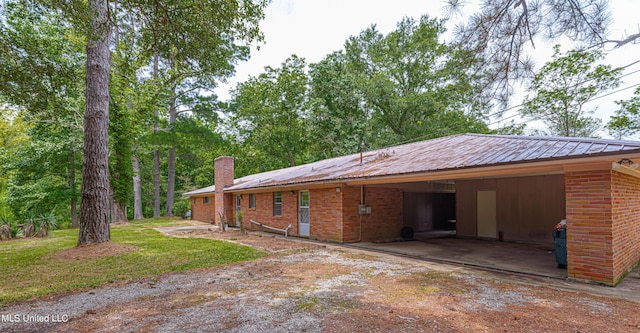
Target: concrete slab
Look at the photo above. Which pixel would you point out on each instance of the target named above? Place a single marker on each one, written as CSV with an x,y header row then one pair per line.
x,y
186,228
533,259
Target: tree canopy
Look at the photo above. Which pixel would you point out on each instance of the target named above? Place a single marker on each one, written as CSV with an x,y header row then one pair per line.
x,y
561,88
503,33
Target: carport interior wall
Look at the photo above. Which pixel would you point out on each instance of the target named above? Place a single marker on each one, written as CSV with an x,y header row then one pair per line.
x,y
527,208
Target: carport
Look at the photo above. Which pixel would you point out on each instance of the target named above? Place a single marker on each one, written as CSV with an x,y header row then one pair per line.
x,y
515,189
453,221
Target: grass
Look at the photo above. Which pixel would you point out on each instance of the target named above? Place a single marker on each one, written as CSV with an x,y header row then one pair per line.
x,y
26,273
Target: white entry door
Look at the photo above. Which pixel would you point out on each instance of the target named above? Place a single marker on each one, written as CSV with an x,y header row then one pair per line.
x,y
238,208
486,214
303,213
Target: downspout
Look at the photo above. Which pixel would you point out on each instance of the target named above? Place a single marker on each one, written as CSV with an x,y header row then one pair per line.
x,y
361,197
360,215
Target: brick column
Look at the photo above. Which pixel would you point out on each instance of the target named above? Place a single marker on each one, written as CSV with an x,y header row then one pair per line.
x,y
223,177
589,226
626,223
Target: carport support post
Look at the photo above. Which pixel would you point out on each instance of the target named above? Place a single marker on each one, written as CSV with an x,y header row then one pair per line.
x,y
223,177
603,233
589,238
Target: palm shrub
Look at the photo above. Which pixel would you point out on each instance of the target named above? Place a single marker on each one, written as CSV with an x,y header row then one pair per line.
x,y
28,228
8,228
5,232
44,223
5,228
39,226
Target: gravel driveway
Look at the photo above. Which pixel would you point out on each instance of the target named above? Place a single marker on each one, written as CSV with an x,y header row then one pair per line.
x,y
305,287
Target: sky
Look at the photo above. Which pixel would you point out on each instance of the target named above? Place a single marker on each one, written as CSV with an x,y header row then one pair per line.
x,y
312,29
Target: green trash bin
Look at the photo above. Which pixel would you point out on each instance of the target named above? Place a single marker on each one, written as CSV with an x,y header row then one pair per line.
x,y
560,242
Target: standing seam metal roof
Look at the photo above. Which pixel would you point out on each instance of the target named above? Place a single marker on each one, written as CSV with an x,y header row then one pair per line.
x,y
446,153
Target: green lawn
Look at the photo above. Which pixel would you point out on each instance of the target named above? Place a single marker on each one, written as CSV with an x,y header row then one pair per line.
x,y
26,273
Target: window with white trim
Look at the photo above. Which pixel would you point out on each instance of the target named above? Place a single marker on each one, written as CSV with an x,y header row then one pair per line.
x,y
252,200
277,203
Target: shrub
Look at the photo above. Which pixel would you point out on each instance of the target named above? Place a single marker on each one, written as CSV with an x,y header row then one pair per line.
x,y
8,228
181,207
45,223
39,226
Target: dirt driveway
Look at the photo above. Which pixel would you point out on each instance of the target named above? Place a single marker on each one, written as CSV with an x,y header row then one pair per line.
x,y
306,287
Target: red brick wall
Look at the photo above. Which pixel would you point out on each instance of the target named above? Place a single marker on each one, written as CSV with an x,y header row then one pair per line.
x,y
201,211
229,209
626,223
263,212
334,215
326,214
350,217
385,220
324,210
589,226
223,176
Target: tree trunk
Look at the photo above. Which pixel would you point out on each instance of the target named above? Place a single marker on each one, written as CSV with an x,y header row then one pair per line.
x,y
72,185
171,181
137,189
171,174
118,211
94,210
171,163
156,153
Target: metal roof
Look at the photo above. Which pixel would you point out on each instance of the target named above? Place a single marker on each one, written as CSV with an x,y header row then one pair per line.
x,y
441,154
204,190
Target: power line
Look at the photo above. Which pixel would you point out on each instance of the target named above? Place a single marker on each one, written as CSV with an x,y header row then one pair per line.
x,y
631,64
448,129
590,100
501,112
636,71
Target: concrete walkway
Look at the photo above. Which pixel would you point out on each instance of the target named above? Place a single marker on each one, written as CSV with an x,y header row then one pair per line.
x,y
170,231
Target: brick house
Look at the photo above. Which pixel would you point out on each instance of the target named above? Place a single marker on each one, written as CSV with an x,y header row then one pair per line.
x,y
509,188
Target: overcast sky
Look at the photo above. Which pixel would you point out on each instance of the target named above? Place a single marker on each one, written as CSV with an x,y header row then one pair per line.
x,y
314,28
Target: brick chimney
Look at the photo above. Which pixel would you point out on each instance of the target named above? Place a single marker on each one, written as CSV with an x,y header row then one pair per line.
x,y
223,177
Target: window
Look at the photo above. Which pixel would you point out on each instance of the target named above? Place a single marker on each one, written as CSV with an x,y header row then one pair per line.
x,y
277,203
252,200
205,200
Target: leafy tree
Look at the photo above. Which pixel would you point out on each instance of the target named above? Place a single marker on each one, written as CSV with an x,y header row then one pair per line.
x,y
412,85
13,135
37,170
41,76
194,43
339,122
121,130
501,31
184,31
563,86
269,115
626,121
